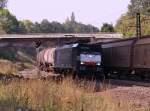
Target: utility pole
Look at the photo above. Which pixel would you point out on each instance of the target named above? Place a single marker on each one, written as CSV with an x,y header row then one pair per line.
x,y
138,25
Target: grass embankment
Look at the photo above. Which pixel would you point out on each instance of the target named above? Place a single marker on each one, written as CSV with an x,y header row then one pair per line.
x,y
10,68
18,53
38,95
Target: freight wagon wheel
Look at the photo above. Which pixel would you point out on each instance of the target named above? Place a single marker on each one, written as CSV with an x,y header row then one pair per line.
x,y
56,71
106,74
63,73
121,74
78,75
142,76
74,76
148,76
100,76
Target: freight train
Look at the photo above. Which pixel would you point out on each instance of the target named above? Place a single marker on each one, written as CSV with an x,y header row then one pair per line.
x,y
120,57
127,56
72,58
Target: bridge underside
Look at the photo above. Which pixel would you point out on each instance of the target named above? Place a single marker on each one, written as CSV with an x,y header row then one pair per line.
x,y
25,49
47,42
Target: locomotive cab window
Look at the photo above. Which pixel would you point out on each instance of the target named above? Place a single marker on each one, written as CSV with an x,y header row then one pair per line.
x,y
94,58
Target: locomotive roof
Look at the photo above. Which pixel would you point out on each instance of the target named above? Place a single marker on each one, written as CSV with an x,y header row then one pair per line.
x,y
70,45
74,45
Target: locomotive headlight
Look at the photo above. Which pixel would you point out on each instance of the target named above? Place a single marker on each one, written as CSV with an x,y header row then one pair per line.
x,y
82,63
98,63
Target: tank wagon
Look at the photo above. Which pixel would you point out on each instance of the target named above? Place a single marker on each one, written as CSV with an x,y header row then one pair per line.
x,y
127,56
76,58
45,59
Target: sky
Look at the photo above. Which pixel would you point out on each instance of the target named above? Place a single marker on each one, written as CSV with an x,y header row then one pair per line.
x,y
95,12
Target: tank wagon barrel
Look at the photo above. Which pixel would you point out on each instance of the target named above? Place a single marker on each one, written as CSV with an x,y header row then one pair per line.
x,y
45,59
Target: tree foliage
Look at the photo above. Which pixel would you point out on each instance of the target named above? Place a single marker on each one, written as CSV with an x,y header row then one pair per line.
x,y
127,22
21,28
11,25
2,5
142,6
72,17
8,22
107,28
72,26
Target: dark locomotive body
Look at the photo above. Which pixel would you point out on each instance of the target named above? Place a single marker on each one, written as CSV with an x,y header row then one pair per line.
x,y
129,56
78,58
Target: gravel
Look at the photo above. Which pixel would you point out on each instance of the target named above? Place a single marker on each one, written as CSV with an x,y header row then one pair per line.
x,y
138,95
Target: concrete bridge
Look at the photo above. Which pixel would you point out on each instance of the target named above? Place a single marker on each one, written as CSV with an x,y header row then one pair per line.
x,y
57,39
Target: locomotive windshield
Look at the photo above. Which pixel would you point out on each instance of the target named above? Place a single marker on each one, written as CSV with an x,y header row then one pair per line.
x,y
94,57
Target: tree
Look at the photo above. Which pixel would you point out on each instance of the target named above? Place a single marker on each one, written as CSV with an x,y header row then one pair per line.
x,y
3,4
56,27
107,28
22,29
45,26
142,6
37,27
72,17
1,30
72,26
29,26
123,25
68,26
8,22
127,22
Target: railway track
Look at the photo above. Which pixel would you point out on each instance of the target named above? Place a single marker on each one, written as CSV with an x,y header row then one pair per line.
x,y
127,83
33,74
36,74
